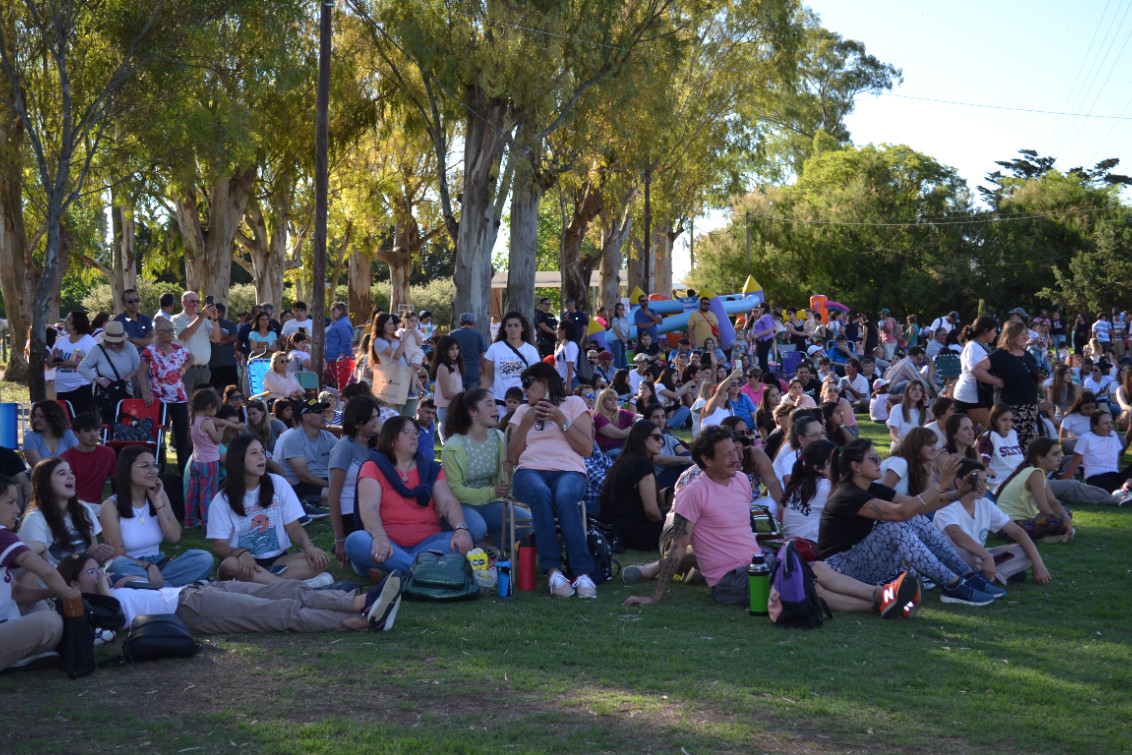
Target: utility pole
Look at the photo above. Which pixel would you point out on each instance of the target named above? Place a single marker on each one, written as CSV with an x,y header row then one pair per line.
x,y
321,181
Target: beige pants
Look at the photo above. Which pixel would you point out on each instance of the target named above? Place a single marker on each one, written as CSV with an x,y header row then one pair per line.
x,y
35,633
246,607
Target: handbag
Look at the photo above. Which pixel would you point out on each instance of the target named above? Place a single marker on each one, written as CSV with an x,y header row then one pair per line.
x,y
106,399
391,383
441,577
152,637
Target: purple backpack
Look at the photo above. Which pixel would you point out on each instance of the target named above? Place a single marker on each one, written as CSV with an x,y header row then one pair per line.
x,y
793,600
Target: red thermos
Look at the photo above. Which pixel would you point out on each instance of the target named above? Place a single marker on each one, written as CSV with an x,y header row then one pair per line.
x,y
527,564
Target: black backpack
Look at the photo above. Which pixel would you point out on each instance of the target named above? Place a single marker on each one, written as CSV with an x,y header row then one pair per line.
x,y
155,636
793,600
605,566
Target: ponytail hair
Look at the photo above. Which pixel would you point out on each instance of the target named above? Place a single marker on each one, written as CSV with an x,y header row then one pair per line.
x,y
804,476
847,455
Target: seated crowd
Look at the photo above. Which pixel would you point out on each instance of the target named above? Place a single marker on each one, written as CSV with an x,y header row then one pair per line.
x,y
545,442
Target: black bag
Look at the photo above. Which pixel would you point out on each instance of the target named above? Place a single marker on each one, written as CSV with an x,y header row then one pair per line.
x,y
794,603
76,648
106,399
605,566
611,532
155,636
105,612
441,577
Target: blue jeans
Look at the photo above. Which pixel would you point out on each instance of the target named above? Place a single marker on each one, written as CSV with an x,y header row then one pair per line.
x,y
681,417
551,495
185,569
477,528
617,347
491,514
359,545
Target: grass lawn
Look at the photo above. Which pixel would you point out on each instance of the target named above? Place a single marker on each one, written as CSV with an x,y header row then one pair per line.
x,y
1045,669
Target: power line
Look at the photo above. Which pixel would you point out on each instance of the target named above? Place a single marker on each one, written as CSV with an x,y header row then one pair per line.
x,y
1120,117
1073,90
925,223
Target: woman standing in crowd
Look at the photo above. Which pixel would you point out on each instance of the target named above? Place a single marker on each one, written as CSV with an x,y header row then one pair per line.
x,y
505,360
977,339
387,348
619,335
566,354
69,352
162,377
1013,372
262,341
761,325
447,372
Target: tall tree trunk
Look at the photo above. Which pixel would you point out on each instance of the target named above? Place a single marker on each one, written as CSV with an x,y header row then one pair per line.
x,y
406,242
209,251
662,256
484,143
361,279
124,266
526,194
614,231
636,268
577,267
267,246
18,275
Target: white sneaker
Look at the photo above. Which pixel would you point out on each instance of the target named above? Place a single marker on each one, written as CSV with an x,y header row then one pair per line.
x,y
560,586
319,581
585,587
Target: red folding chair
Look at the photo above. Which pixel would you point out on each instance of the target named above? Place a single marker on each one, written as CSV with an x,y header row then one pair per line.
x,y
68,410
130,409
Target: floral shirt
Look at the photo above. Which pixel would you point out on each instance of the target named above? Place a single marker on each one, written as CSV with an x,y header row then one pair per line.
x,y
165,378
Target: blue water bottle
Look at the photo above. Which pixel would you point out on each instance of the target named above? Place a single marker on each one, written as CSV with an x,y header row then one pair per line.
x,y
503,571
758,584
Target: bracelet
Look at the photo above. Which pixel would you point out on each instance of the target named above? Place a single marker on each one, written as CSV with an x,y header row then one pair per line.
x,y
161,507
339,540
921,500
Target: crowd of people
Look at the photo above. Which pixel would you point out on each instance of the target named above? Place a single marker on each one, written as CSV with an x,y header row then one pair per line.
x,y
994,427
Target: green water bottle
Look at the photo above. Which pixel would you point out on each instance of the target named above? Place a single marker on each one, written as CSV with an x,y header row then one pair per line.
x,y
758,584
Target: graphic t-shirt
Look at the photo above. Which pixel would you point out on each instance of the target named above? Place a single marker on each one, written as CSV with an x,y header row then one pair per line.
x,y
10,549
261,531
508,366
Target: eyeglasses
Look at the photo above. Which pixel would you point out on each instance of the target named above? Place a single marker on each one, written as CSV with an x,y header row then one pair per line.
x,y
236,397
192,301
411,432
93,572
132,301
145,467
656,436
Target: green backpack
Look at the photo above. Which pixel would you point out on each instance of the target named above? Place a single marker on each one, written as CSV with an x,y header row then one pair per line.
x,y
441,577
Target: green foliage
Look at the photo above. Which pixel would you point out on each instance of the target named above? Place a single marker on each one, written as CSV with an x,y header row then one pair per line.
x,y
1099,275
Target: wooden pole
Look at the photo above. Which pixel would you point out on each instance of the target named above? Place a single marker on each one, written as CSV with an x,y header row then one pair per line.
x,y
321,181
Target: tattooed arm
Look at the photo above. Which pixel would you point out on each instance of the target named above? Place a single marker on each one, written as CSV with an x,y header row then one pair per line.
x,y
681,539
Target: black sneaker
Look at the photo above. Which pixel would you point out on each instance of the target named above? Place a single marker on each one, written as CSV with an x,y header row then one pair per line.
x,y
383,601
304,520
964,594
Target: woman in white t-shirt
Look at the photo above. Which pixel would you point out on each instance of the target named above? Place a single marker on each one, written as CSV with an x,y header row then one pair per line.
x,y
56,519
69,352
139,519
909,471
1076,420
942,409
505,360
566,354
1099,451
551,436
912,412
253,522
805,496
998,448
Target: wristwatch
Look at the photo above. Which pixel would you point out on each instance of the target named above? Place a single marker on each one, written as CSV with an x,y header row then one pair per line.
x,y
566,426
463,527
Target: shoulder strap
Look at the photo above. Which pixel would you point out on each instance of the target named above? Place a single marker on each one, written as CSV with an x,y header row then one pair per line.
x,y
107,355
517,353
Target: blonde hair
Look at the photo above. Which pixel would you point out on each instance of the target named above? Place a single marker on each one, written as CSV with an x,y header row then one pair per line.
x,y
600,407
276,358
1010,331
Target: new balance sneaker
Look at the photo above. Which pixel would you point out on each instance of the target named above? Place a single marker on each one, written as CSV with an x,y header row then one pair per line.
x,y
383,601
982,584
103,637
560,587
900,597
319,581
964,594
585,587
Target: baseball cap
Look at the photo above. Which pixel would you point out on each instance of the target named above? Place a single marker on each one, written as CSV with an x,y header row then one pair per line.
x,y
311,406
879,383
605,355
1020,312
813,350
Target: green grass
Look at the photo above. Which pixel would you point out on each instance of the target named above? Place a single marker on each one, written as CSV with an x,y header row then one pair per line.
x,y
1046,669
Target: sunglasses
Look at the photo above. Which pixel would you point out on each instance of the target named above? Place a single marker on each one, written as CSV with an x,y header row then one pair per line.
x,y
528,382
589,395
874,459
132,301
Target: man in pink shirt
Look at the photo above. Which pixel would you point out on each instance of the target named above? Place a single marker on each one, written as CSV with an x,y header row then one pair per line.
x,y
712,514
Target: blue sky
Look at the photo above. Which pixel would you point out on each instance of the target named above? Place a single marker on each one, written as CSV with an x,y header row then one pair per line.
x,y
1038,55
